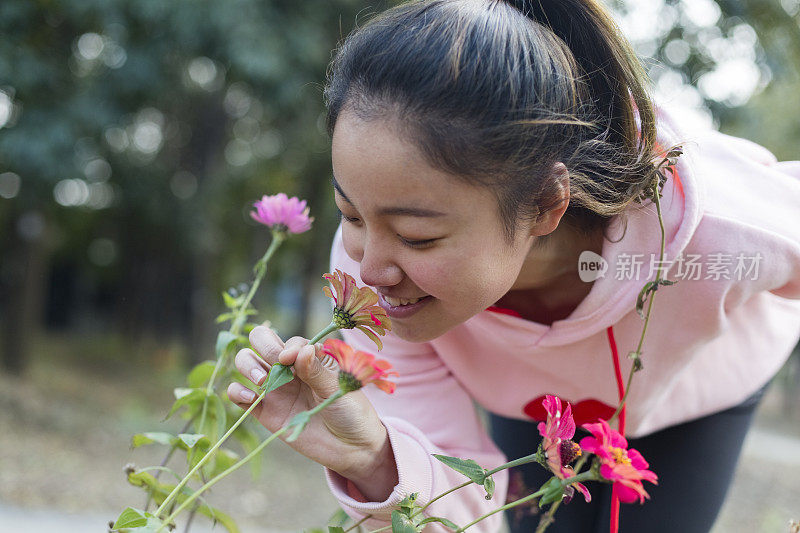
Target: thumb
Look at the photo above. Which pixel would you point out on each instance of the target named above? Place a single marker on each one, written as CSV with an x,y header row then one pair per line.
x,y
323,380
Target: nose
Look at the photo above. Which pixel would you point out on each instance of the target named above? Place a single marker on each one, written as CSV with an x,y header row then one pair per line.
x,y
377,267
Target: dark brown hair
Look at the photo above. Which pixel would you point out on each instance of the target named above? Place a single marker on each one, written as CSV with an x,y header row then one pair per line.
x,y
496,92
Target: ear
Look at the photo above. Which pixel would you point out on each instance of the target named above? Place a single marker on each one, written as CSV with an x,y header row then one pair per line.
x,y
548,221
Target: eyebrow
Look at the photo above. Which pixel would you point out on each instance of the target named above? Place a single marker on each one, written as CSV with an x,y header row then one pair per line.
x,y
393,210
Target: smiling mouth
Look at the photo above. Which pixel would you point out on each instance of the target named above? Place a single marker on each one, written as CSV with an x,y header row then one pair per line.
x,y
396,302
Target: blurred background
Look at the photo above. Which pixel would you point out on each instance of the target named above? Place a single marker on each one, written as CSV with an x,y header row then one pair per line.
x,y
134,137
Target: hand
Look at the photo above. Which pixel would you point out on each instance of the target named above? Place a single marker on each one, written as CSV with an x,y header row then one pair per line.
x,y
347,436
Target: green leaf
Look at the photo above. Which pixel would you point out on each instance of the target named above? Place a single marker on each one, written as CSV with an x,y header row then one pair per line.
x,y
200,374
190,439
488,484
230,301
219,517
338,518
299,422
641,299
159,491
554,491
441,520
335,529
220,416
408,503
224,317
278,375
185,397
223,459
224,340
142,439
130,517
402,524
468,467
249,441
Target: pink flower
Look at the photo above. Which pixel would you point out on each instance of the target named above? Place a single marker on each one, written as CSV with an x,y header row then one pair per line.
x,y
281,213
357,369
625,467
356,307
557,444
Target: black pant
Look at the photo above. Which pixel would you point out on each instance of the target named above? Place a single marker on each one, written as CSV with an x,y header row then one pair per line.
x,y
694,461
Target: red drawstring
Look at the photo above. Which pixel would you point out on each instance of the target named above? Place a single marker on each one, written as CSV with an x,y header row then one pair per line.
x,y
614,525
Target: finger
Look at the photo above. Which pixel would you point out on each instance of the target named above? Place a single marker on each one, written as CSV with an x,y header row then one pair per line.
x,y
323,380
289,353
238,393
251,365
267,343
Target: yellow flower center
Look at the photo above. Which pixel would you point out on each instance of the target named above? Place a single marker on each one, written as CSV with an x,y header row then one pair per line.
x,y
343,319
620,455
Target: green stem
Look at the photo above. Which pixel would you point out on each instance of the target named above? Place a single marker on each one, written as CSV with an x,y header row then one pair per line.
x,y
330,328
354,526
516,462
238,320
208,454
657,201
338,394
585,476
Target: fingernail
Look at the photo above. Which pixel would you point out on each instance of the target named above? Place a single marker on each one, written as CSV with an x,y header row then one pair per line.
x,y
247,395
257,375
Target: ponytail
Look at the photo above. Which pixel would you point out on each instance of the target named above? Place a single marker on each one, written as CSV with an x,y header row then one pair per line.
x,y
495,92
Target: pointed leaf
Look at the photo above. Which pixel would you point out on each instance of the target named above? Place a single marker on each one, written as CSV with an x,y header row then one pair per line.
x,y
224,339
402,524
554,491
338,518
299,422
488,484
468,467
230,301
278,375
142,439
441,520
190,439
130,517
200,374
335,529
408,504
224,317
184,397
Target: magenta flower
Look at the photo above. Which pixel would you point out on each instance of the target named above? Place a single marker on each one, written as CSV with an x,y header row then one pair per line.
x,y
281,213
557,444
625,467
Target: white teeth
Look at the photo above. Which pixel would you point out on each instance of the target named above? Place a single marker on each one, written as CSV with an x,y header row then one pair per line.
x,y
394,302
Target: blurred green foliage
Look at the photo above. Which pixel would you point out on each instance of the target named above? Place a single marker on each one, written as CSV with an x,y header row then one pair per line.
x,y
135,134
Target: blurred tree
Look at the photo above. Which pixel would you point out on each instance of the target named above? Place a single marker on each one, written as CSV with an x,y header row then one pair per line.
x,y
139,133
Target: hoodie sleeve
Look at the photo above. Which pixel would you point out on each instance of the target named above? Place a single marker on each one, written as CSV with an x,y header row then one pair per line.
x,y
753,209
429,413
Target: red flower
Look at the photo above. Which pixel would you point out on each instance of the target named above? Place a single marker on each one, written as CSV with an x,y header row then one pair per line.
x,y
357,369
625,467
281,213
557,444
356,307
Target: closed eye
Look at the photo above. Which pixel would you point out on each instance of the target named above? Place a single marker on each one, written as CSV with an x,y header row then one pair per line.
x,y
416,244
341,215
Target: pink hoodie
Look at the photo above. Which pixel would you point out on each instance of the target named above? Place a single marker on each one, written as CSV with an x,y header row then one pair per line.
x,y
711,341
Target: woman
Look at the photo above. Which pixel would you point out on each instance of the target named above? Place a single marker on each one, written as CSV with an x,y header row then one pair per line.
x,y
492,162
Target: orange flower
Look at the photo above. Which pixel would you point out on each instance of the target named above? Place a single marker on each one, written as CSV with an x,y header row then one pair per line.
x,y
356,307
357,369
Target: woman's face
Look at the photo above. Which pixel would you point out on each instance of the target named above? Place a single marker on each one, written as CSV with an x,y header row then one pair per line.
x,y
418,232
